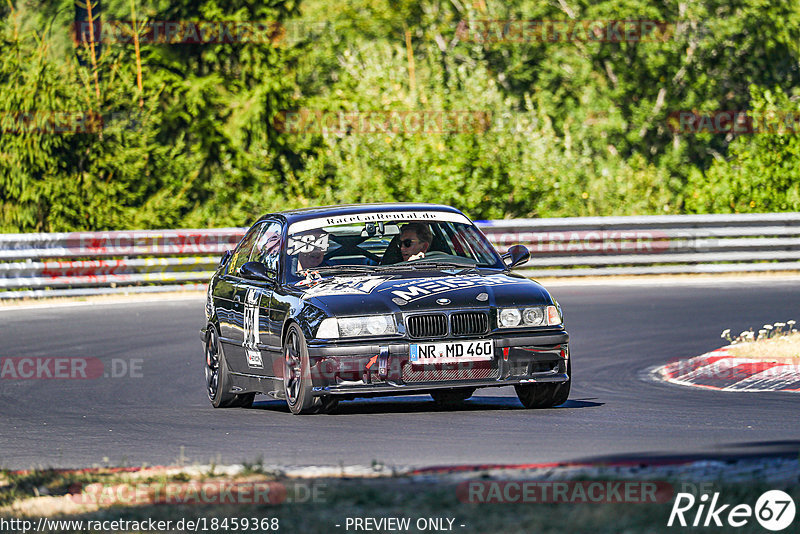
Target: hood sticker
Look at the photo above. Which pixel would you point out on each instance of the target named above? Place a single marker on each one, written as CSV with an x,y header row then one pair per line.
x,y
416,289
343,285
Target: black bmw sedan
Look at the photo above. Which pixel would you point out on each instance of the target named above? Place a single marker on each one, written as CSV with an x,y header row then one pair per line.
x,y
325,304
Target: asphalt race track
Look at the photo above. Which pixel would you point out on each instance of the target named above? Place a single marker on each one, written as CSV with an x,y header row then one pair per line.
x,y
159,414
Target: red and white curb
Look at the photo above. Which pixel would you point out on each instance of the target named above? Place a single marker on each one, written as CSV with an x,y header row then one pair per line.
x,y
721,370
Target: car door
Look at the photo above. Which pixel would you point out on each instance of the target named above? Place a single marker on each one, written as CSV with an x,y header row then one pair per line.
x,y
234,290
256,295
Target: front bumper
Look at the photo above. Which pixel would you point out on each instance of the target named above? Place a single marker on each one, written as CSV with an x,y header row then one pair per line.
x,y
357,369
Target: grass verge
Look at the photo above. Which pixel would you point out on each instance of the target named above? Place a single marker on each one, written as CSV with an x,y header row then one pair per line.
x,y
779,347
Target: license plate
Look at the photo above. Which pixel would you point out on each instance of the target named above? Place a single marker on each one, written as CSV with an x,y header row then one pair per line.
x,y
456,351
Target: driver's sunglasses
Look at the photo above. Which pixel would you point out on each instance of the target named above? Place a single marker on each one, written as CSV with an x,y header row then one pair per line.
x,y
405,243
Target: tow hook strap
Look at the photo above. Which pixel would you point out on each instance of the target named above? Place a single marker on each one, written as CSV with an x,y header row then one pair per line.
x,y
370,363
383,363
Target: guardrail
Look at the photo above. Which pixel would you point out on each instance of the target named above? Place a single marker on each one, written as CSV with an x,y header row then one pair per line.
x,y
83,263
668,244
87,263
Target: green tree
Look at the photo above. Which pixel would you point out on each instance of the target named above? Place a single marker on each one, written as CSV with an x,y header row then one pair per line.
x,y
762,173
197,151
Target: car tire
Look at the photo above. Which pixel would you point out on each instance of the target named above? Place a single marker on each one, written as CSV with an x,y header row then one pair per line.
x,y
297,373
448,398
217,374
545,395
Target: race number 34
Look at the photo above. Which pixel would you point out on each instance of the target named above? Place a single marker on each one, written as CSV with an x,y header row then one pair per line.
x,y
251,329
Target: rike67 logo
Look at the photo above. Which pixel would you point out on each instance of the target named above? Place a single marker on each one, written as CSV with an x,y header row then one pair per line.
x,y
774,510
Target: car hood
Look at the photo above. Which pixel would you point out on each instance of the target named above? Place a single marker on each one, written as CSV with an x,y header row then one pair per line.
x,y
342,295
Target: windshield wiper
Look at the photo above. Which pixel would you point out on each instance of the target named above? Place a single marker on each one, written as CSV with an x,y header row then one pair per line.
x,y
431,264
327,268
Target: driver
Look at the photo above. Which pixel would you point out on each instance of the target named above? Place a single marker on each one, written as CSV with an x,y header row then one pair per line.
x,y
309,260
309,248
415,240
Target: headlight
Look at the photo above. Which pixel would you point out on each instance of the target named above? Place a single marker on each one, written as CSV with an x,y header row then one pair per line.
x,y
379,325
373,325
349,327
508,317
531,316
328,329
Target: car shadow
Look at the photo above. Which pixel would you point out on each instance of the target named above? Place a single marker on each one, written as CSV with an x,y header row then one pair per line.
x,y
423,403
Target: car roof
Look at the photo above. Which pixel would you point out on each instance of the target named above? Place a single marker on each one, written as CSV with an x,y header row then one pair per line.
x,y
302,214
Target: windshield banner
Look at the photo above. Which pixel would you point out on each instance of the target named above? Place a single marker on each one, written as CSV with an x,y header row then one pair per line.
x,y
355,218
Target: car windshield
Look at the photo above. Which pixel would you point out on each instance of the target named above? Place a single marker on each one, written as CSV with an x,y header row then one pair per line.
x,y
375,241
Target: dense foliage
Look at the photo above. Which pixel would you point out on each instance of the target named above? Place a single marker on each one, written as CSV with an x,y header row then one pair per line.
x,y
561,126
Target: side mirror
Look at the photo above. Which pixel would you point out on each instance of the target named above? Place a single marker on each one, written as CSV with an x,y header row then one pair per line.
x,y
224,259
255,270
516,255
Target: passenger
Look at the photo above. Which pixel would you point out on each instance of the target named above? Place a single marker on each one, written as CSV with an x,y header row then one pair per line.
x,y
415,240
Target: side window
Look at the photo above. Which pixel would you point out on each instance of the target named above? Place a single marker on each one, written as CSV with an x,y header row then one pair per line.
x,y
242,253
268,247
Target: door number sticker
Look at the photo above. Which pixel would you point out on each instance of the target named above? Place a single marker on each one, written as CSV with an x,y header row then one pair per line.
x,y
251,329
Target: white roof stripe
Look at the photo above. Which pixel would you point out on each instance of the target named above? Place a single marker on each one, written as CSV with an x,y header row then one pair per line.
x,y
371,216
